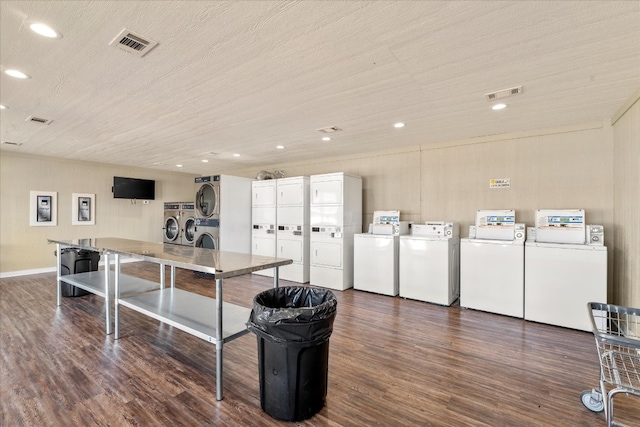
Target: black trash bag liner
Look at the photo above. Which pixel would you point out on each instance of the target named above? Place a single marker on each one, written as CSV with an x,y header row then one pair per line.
x,y
293,314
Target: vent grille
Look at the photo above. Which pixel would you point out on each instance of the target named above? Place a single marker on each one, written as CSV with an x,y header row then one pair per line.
x,y
39,120
133,43
503,93
330,129
15,144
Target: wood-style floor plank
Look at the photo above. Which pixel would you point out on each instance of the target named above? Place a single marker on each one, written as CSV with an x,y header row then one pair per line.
x,y
393,362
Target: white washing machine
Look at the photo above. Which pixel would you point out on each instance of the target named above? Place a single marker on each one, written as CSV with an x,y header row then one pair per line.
x,y
492,276
375,263
430,264
187,223
561,278
331,257
171,227
492,264
207,237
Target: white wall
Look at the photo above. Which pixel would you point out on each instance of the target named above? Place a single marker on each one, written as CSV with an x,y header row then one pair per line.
x,y
23,247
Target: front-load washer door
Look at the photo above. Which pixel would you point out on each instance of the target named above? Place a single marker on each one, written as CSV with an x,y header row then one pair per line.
x,y
207,241
189,231
207,200
171,229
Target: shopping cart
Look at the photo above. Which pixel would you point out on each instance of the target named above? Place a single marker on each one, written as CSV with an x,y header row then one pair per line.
x,y
617,333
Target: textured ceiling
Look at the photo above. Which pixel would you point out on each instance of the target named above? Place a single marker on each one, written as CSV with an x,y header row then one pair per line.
x,y
243,77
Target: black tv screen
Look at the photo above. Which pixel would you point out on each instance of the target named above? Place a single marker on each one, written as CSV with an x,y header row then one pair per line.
x,y
133,188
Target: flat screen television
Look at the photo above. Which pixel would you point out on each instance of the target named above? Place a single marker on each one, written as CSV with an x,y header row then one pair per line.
x,y
133,188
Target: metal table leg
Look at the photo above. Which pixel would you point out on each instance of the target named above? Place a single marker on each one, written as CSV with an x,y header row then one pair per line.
x,y
161,276
173,276
116,295
219,341
58,275
276,276
107,291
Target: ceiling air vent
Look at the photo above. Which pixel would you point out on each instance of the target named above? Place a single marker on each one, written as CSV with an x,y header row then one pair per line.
x,y
15,144
133,43
39,120
503,93
330,129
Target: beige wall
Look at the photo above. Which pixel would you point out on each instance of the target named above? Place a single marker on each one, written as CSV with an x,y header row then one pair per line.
x,y
626,202
559,168
25,248
564,167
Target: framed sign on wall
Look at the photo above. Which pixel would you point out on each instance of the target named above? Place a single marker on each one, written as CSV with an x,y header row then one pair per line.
x,y
83,209
43,208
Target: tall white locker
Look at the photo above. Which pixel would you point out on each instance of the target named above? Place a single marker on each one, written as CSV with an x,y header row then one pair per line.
x,y
292,219
335,217
263,210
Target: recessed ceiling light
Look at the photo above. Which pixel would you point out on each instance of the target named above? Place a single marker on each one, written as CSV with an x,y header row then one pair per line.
x,y
236,155
280,147
17,74
326,138
178,166
499,106
45,30
3,107
398,125
205,161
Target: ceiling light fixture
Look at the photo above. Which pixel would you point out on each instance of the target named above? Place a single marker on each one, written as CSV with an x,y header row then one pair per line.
x,y
3,107
45,30
178,166
499,107
326,138
280,147
17,74
398,125
236,155
205,161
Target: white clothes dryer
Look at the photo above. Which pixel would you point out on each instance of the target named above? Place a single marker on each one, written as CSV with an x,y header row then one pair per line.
x,y
171,227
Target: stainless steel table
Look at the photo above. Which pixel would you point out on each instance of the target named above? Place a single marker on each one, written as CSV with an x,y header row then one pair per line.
x,y
195,314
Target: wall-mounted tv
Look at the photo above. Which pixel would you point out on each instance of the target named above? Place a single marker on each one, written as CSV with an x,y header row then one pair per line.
x,y
133,188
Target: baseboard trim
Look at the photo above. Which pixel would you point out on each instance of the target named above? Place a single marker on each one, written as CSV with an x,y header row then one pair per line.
x,y
52,269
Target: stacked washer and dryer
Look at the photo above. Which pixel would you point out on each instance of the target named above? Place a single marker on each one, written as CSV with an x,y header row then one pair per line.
x,y
565,268
280,209
335,217
223,213
492,264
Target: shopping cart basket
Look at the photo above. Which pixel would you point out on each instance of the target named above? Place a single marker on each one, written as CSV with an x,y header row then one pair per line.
x,y
617,333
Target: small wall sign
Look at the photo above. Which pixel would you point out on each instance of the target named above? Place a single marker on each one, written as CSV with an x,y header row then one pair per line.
x,y
500,183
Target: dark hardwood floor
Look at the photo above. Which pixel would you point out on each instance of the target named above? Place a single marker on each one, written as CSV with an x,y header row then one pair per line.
x,y
393,362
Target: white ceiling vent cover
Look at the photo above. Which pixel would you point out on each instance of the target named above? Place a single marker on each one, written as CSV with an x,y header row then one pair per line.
x,y
133,43
330,129
16,144
503,93
38,120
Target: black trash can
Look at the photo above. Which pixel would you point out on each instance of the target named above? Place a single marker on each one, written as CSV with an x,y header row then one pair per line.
x,y
293,326
74,261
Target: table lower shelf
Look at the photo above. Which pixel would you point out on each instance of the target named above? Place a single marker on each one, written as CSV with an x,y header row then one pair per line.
x,y
93,281
189,312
